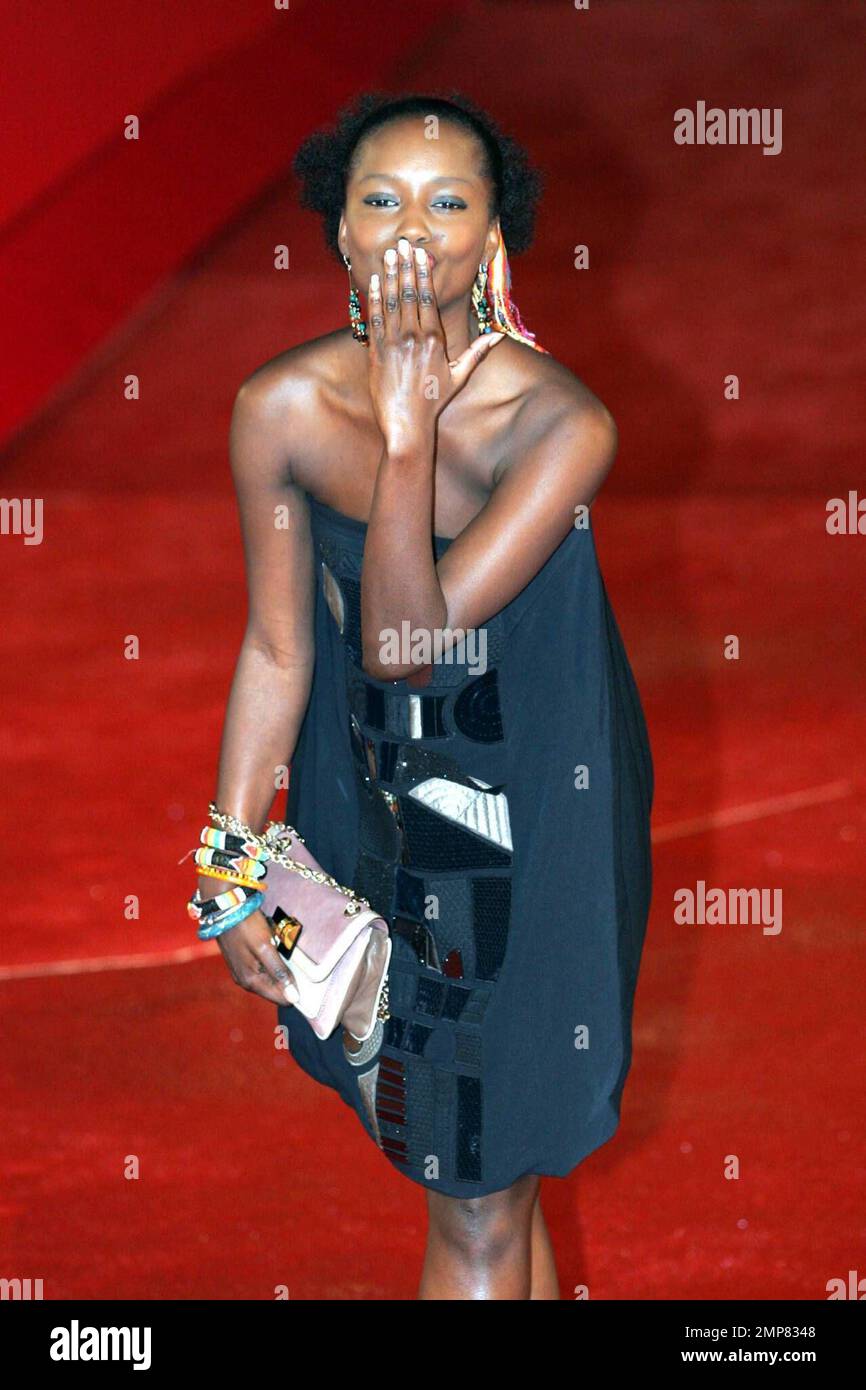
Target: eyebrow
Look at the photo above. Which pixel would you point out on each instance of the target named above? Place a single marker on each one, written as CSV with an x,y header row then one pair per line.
x,y
442,178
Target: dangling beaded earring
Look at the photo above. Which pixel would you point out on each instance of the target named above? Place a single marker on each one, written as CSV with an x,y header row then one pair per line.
x,y
479,300
359,327
491,296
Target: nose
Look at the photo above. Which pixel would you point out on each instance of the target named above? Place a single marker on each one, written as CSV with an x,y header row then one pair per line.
x,y
414,230
415,241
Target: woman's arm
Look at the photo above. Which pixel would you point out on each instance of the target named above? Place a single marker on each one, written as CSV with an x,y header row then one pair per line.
x,y
273,674
568,442
569,451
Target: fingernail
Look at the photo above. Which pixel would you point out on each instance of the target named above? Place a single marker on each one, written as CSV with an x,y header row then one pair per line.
x,y
390,256
403,246
291,993
374,281
421,254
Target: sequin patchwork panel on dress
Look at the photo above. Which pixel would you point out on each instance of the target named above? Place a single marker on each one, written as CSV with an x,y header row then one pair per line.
x,y
444,885
434,859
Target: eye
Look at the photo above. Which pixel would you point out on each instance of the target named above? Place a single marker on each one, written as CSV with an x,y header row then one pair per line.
x,y
379,200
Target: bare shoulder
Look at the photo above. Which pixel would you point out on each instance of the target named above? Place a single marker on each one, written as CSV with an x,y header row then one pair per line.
x,y
289,403
294,376
556,405
553,393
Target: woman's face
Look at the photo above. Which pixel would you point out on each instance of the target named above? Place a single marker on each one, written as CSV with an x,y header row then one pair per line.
x,y
430,191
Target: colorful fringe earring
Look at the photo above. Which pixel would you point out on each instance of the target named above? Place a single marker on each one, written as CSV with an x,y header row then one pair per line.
x,y
494,307
359,327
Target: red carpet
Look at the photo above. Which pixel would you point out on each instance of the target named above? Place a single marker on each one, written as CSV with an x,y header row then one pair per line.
x,y
703,262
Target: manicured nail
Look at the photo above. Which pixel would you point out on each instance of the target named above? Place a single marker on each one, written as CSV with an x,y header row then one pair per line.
x,y
390,256
421,254
374,282
403,246
291,993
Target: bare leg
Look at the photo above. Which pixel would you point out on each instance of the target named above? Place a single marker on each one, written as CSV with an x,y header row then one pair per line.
x,y
478,1224
481,1247
545,1281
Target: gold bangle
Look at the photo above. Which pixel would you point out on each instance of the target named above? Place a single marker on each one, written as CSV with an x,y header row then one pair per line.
x,y
229,876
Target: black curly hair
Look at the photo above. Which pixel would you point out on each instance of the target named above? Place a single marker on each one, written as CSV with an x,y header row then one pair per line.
x,y
324,160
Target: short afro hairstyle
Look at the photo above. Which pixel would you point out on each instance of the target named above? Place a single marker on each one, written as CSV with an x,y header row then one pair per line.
x,y
324,160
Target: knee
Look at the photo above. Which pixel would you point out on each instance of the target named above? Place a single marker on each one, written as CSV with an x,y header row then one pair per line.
x,y
483,1229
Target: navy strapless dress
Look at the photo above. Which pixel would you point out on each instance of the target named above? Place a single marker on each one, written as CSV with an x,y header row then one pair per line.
x,y
499,819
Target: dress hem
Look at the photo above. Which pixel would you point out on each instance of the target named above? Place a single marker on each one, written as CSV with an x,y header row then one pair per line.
x,y
541,1169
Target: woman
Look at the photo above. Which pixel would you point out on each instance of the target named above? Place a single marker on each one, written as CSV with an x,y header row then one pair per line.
x,y
483,777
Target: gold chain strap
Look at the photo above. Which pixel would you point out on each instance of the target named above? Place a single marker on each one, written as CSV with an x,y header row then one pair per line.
x,y
384,1002
267,841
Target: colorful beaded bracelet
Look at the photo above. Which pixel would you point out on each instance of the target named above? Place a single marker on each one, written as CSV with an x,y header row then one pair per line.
x,y
222,839
231,919
223,859
199,907
207,914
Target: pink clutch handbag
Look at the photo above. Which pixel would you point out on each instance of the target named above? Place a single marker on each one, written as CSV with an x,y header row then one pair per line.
x,y
336,946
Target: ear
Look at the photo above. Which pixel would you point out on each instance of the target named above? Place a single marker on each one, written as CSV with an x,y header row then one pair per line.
x,y
341,235
491,245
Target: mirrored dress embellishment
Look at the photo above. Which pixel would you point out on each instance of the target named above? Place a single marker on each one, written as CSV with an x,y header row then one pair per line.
x,y
334,596
483,812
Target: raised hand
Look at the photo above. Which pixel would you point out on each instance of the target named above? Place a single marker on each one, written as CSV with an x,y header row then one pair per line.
x,y
411,378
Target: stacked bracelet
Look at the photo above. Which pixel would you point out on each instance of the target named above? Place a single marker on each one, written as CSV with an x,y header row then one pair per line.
x,y
238,856
237,844
199,908
244,866
217,923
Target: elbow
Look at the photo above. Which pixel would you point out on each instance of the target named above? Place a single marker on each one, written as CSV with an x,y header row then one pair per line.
x,y
371,663
387,659
370,668
373,667
287,658
380,655
380,664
